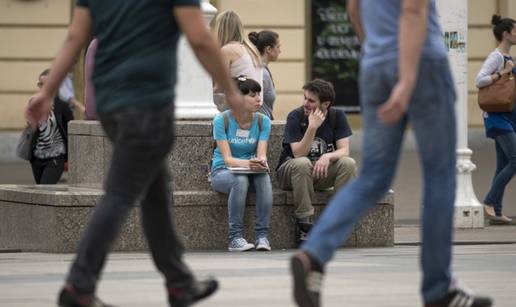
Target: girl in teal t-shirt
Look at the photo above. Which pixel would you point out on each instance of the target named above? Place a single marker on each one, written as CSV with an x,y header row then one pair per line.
x,y
240,162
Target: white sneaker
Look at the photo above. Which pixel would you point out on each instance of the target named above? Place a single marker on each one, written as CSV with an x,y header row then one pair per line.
x,y
240,245
262,244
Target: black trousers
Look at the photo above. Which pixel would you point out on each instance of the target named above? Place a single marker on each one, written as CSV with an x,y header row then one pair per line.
x,y
138,172
47,171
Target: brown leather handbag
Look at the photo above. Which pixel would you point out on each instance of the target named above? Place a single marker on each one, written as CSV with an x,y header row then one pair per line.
x,y
499,96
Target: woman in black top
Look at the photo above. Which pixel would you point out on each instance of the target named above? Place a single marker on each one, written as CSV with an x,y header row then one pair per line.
x,y
49,147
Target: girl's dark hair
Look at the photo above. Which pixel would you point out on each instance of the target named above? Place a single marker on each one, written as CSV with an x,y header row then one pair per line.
x,y
501,25
45,72
263,39
247,85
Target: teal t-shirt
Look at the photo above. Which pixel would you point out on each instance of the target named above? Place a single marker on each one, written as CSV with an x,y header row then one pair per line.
x,y
135,62
243,143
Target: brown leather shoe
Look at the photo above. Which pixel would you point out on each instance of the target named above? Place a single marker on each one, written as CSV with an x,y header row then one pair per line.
x,y
489,212
501,220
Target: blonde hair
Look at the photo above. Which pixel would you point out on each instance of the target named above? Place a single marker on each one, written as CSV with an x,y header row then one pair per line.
x,y
228,28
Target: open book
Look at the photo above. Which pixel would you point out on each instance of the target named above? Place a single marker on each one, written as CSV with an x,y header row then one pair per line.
x,y
245,170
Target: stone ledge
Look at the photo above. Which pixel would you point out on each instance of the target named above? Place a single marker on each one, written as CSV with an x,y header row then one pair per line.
x,y
51,220
182,128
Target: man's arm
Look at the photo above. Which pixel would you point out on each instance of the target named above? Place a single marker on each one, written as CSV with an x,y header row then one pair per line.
x,y
353,10
78,34
342,150
206,49
412,34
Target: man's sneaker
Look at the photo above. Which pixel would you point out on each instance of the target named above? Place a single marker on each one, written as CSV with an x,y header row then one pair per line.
x,y
302,230
461,297
70,297
184,297
307,281
262,244
240,245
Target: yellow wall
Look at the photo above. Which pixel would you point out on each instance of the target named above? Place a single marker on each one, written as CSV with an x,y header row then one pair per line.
x,y
32,31
30,34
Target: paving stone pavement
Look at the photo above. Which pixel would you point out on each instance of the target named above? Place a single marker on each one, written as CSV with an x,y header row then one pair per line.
x,y
356,277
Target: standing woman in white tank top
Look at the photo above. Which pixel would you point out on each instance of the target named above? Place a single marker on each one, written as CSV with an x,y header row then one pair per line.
x,y
240,54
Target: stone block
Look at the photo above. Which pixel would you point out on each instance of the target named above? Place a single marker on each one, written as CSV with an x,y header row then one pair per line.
x,y
90,152
52,218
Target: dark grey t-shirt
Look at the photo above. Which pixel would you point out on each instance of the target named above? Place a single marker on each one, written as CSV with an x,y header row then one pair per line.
x,y
135,62
334,128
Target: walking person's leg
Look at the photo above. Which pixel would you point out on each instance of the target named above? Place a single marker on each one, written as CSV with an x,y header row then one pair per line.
x,y
236,186
166,247
381,151
501,162
37,167
140,146
506,152
53,171
433,105
263,191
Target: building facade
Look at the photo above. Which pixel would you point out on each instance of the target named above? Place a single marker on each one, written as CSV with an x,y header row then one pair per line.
x,y
32,31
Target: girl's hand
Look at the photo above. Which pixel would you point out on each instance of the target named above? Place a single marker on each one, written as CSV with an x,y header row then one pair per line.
x,y
509,66
257,164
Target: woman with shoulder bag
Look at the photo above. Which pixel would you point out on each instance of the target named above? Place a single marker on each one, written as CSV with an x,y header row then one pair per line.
x,y
49,144
500,126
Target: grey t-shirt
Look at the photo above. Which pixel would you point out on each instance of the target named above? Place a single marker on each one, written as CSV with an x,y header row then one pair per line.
x,y
269,93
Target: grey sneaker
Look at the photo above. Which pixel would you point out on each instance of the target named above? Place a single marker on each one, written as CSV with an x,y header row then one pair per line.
x,y
240,245
262,244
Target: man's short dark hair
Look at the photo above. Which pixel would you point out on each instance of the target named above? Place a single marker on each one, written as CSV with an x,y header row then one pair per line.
x,y
322,88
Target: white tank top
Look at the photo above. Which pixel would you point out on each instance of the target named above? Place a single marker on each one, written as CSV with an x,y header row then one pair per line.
x,y
244,66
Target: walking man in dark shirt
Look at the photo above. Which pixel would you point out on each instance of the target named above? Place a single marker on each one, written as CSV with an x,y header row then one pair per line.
x,y
134,78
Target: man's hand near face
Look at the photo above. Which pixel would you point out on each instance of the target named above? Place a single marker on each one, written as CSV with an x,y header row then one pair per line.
x,y
316,118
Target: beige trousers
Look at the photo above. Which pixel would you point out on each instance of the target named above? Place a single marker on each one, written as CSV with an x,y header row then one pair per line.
x,y
296,175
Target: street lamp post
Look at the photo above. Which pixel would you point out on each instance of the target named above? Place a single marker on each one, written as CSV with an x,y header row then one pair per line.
x,y
454,20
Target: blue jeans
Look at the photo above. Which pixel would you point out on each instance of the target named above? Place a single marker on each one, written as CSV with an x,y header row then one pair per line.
x,y
237,185
505,170
432,117
138,173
